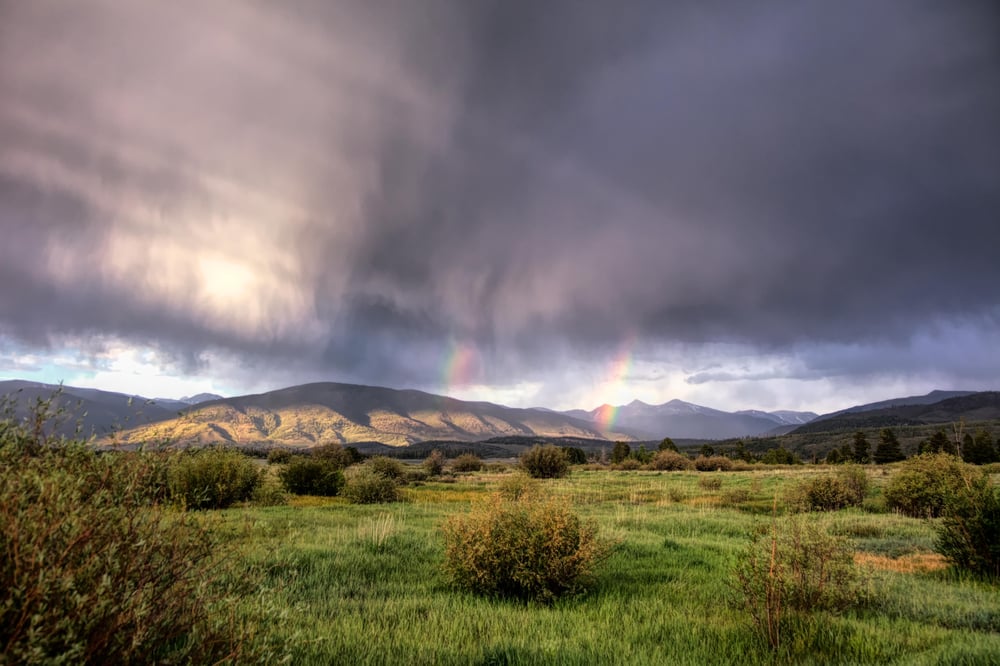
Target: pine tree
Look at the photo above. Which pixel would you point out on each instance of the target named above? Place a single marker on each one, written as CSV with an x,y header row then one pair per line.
x,y
668,445
860,448
888,450
979,450
939,443
620,452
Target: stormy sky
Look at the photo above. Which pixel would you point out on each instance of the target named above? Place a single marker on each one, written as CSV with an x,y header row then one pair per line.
x,y
746,205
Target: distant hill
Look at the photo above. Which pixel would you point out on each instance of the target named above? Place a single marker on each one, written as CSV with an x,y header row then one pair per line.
x,y
313,414
679,419
200,397
95,412
912,411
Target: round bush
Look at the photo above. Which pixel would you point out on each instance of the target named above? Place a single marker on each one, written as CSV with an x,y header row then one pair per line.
x,y
366,486
545,462
387,467
312,476
467,462
525,549
830,493
713,464
922,484
671,461
213,478
279,456
434,463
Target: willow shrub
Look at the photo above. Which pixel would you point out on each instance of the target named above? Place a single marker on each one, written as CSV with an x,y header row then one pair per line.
x,y
545,462
94,568
790,570
366,485
528,548
213,478
312,476
848,487
969,532
922,485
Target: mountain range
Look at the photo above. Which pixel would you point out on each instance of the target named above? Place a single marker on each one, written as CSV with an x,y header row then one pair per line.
x,y
313,414
680,419
937,407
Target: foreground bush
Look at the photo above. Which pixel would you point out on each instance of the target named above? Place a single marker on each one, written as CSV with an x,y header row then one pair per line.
x,y
213,478
365,485
969,533
848,487
791,569
923,483
525,549
312,476
545,462
93,570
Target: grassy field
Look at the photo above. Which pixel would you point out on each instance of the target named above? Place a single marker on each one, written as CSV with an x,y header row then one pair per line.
x,y
339,583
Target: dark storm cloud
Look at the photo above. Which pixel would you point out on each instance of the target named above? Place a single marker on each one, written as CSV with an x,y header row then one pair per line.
x,y
363,185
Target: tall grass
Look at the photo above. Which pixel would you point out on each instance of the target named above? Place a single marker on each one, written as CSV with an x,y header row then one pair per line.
x,y
661,596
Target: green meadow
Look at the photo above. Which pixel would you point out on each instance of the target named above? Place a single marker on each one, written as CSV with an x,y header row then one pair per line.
x,y
324,581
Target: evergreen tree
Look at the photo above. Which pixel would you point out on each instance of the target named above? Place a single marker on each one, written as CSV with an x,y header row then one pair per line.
x,y
888,449
939,443
834,457
846,453
968,445
979,450
642,455
620,452
668,445
861,449
741,453
707,451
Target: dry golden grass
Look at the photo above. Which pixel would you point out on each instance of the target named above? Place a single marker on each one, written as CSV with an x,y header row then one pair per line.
x,y
912,563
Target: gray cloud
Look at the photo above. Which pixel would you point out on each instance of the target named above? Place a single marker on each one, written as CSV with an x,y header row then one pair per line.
x,y
353,188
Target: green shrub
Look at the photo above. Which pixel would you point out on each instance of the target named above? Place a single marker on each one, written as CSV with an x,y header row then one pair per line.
x,y
270,492
434,463
517,486
342,456
527,549
545,462
312,476
848,487
575,455
93,569
922,484
387,467
279,456
629,464
366,486
791,569
213,478
670,461
467,462
713,464
969,533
